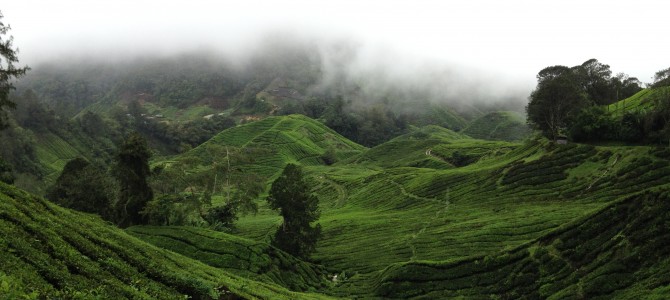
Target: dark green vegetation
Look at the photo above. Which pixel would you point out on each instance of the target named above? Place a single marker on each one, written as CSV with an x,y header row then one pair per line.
x,y
8,70
499,125
83,187
616,252
50,252
290,195
243,257
563,92
426,212
399,205
131,170
431,213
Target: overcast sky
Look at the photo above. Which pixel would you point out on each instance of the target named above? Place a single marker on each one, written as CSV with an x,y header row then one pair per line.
x,y
514,39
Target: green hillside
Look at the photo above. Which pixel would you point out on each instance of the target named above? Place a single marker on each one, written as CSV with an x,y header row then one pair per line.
x,y
429,214
374,217
272,143
439,198
243,257
640,102
617,252
428,147
47,252
500,125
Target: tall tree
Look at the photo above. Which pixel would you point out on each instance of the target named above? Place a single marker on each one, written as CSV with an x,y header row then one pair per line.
x,y
132,171
290,195
557,97
8,70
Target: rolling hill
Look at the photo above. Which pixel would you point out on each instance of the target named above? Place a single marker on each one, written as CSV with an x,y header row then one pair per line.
x,y
429,214
439,198
395,204
272,143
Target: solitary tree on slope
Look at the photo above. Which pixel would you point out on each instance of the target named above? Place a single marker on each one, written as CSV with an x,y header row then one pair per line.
x,y
132,171
290,195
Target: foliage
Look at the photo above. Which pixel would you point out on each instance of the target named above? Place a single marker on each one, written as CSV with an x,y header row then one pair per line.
x,y
83,187
241,256
6,175
593,124
222,216
644,118
563,92
8,70
555,101
499,125
131,170
50,252
613,253
299,208
369,126
662,78
595,78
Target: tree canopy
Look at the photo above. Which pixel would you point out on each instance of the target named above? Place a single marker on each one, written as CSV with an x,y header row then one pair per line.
x,y
563,92
132,171
83,187
557,97
8,70
291,196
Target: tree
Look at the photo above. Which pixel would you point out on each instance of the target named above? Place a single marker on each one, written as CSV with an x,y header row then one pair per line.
x,y
83,187
8,70
594,77
290,195
556,99
624,86
662,78
131,170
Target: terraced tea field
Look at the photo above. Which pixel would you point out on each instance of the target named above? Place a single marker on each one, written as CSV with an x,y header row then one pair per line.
x,y
50,252
431,214
437,198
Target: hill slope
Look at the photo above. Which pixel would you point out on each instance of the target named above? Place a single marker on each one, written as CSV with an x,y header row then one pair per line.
x,y
641,101
273,142
240,256
500,125
428,147
48,251
617,252
375,216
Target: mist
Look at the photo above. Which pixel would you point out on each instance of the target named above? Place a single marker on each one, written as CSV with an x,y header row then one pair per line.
x,y
480,52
